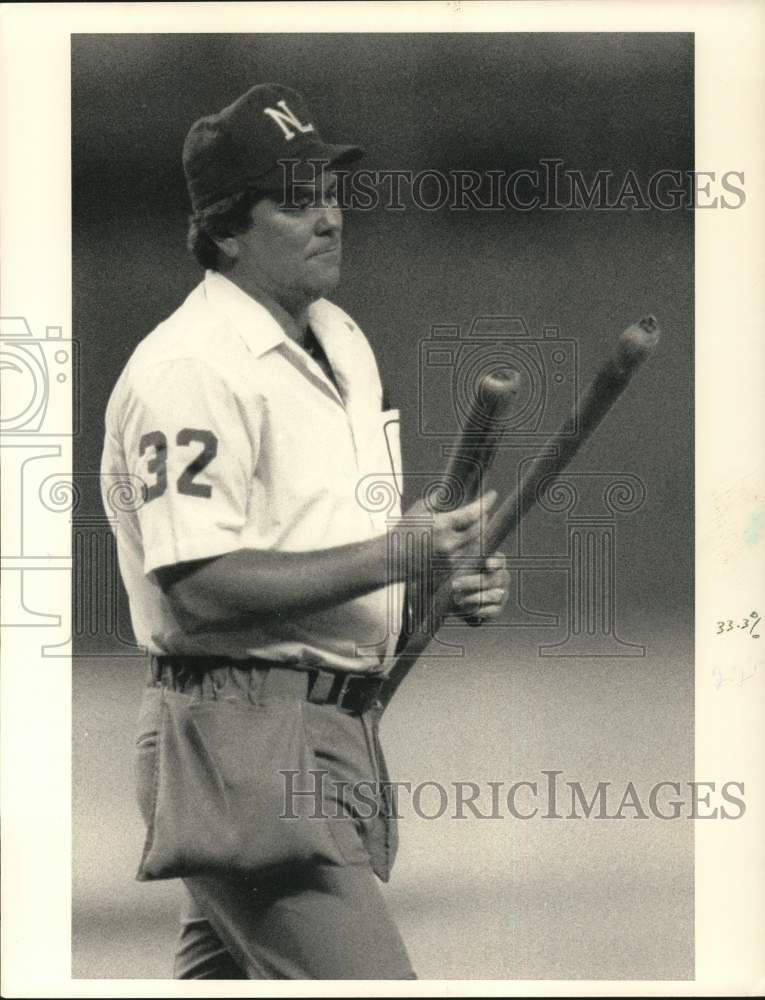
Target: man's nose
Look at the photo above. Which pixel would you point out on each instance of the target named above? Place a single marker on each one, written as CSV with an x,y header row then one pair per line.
x,y
329,219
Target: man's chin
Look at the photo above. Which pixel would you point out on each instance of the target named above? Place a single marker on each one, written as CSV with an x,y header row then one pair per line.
x,y
326,284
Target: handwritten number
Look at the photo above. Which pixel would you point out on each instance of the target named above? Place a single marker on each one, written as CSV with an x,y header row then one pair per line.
x,y
729,625
157,465
209,450
738,677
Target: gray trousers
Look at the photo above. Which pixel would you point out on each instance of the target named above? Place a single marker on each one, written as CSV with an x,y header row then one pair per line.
x,y
314,921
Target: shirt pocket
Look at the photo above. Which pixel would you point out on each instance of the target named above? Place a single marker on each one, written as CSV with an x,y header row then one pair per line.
x,y
381,486
391,428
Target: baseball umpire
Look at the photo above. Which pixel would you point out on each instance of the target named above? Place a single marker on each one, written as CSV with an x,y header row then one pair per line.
x,y
257,580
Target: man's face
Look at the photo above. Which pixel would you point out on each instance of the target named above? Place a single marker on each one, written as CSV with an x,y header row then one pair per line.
x,y
293,253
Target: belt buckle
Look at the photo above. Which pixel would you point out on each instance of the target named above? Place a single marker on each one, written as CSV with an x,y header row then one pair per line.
x,y
359,694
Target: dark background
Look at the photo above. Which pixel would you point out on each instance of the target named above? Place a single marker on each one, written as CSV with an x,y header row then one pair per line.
x,y
543,899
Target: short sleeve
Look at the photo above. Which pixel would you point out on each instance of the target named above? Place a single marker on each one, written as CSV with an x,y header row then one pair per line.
x,y
193,444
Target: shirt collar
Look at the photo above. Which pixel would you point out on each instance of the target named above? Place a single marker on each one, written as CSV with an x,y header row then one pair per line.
x,y
326,322
260,330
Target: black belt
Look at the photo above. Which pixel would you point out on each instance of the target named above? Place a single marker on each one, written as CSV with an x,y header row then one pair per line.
x,y
350,692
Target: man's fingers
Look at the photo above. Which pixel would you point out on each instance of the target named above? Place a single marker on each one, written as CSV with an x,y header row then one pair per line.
x,y
484,615
467,517
464,582
497,560
482,599
471,533
466,536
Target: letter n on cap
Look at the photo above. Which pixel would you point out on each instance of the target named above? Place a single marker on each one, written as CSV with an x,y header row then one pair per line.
x,y
285,118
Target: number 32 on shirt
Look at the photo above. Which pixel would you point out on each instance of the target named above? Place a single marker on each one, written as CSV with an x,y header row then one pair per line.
x,y
157,464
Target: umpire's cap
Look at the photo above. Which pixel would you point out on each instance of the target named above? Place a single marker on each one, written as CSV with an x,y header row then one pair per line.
x,y
242,145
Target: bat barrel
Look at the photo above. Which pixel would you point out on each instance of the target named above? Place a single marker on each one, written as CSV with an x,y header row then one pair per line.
x,y
473,454
632,348
478,441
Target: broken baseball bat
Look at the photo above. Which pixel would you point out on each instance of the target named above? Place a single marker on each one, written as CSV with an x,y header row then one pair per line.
x,y
632,348
474,452
469,462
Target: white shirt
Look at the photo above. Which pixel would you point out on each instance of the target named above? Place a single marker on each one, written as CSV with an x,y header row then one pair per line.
x,y
239,440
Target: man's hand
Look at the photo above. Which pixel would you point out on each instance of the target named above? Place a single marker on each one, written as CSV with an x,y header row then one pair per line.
x,y
481,595
455,532
249,586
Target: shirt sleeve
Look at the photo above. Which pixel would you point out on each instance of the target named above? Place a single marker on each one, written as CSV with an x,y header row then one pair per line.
x,y
194,446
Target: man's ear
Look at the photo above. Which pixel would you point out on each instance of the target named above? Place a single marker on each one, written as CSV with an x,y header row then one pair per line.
x,y
228,245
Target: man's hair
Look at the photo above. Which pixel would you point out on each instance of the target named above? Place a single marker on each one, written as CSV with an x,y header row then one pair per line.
x,y
228,217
